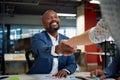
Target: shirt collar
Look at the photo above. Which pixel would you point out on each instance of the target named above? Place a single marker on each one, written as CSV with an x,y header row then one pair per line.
x,y
52,38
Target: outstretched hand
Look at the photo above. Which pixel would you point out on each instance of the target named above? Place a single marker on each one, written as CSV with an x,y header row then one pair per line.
x,y
68,48
65,49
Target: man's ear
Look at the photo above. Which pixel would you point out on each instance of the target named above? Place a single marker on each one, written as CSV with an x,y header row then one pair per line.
x,y
42,23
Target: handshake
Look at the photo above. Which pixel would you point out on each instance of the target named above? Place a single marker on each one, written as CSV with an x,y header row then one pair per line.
x,y
65,48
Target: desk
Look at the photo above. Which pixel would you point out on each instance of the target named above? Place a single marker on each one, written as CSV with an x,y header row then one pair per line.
x,y
14,57
48,76
103,59
15,63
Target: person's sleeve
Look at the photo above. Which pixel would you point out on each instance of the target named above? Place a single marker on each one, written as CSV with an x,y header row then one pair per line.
x,y
39,46
71,65
67,71
99,33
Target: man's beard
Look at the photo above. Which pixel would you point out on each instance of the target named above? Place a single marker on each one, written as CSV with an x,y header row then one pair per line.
x,y
54,29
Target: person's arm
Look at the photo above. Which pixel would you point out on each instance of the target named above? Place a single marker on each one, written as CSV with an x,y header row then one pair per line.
x,y
82,39
96,34
69,68
71,64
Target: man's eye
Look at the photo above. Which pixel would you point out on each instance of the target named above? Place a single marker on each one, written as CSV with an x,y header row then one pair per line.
x,y
56,16
48,18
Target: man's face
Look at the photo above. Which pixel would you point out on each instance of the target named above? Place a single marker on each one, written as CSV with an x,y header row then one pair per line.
x,y
51,21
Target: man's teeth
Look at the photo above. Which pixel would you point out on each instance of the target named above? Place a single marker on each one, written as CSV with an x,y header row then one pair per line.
x,y
54,23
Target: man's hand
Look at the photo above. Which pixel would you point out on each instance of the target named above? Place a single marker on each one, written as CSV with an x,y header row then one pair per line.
x,y
65,49
98,73
61,73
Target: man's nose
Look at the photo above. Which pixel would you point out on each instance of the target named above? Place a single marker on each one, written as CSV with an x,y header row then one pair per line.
x,y
53,18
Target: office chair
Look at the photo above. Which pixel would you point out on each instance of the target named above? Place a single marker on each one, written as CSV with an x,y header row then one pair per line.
x,y
2,64
77,55
29,58
108,47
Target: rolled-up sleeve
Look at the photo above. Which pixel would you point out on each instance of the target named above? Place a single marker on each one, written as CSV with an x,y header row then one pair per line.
x,y
99,33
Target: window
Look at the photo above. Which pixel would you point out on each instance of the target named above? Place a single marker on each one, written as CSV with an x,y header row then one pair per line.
x,y
18,35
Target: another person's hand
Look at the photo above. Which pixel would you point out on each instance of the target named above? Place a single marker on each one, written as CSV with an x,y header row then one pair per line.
x,y
61,73
118,78
98,73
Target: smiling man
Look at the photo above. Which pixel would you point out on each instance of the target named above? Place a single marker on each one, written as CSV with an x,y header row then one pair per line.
x,y
46,49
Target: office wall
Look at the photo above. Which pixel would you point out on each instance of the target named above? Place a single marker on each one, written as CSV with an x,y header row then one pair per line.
x,y
80,22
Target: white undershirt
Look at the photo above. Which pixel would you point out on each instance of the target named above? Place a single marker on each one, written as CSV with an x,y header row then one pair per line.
x,y
55,60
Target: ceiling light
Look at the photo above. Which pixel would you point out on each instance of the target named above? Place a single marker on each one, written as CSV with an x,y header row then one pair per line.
x,y
63,14
95,1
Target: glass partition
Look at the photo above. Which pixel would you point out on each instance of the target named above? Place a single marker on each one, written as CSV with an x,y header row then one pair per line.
x,y
17,37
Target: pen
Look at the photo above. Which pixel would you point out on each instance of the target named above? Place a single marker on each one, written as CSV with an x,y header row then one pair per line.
x,y
3,77
80,78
